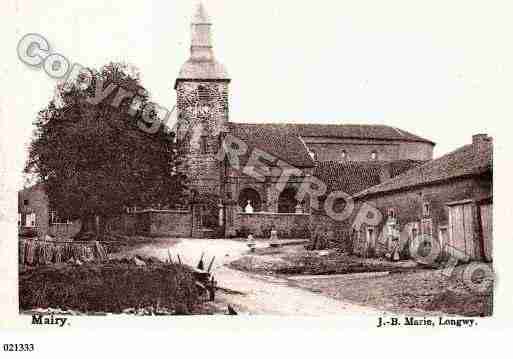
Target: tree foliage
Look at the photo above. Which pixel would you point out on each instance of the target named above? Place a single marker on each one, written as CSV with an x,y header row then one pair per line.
x,y
96,159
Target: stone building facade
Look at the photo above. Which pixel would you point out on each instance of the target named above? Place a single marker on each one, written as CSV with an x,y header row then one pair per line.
x,y
204,126
34,212
448,199
262,150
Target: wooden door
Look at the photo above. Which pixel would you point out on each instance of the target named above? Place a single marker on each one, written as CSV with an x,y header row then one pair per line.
x,y
371,241
461,230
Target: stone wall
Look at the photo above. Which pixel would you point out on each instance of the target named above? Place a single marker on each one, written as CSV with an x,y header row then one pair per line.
x,y
331,149
288,225
197,127
125,223
408,208
170,223
419,151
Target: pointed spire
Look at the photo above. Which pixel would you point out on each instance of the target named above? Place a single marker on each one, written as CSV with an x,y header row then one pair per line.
x,y
201,16
202,63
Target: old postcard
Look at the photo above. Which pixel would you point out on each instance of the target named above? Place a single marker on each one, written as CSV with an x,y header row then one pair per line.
x,y
220,159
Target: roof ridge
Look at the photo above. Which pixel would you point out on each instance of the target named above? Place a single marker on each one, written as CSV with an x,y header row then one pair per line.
x,y
309,124
338,130
406,173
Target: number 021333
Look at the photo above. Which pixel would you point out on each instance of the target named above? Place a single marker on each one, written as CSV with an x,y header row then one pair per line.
x,y
18,347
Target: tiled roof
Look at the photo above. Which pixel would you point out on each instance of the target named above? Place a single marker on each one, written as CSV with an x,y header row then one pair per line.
x,y
278,142
352,177
466,160
378,132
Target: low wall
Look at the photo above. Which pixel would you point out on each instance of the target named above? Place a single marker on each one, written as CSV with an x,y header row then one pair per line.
x,y
125,223
260,224
170,223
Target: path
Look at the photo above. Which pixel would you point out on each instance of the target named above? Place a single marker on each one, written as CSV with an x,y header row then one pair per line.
x,y
260,294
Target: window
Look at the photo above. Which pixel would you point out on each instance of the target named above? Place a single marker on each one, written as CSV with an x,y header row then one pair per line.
x,y
25,202
203,145
203,93
343,155
374,155
426,227
414,231
426,209
392,213
30,220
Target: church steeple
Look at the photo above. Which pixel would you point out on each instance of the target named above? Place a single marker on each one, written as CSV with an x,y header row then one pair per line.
x,y
202,64
201,38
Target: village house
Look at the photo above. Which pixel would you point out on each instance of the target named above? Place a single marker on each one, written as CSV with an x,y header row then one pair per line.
x,y
36,216
448,199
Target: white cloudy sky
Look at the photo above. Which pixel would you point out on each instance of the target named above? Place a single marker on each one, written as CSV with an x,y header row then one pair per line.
x,y
435,68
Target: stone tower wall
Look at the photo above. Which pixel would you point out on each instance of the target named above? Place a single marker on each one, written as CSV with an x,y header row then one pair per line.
x,y
203,113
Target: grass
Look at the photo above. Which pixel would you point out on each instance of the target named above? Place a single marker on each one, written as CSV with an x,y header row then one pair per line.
x,y
295,260
407,289
111,287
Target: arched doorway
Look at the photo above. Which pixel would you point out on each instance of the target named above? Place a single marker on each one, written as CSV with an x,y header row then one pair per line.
x,y
251,195
287,201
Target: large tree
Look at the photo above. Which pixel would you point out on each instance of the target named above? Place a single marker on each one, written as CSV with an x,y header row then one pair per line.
x,y
96,158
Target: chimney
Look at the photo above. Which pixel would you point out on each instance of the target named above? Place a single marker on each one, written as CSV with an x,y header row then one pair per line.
x,y
481,142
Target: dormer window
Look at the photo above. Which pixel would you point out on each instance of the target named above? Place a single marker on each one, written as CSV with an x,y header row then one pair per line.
x,y
343,155
391,213
374,155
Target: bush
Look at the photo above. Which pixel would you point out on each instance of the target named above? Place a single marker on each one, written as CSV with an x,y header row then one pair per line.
x,y
111,287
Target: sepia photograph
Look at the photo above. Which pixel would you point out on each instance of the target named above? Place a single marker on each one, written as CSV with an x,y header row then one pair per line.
x,y
207,159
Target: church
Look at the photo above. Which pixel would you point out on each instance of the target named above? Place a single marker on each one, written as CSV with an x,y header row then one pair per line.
x,y
250,191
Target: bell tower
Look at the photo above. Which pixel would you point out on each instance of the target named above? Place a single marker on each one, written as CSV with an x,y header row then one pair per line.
x,y
202,89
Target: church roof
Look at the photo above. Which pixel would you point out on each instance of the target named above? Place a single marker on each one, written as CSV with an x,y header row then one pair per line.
x,y
347,131
467,160
285,141
352,177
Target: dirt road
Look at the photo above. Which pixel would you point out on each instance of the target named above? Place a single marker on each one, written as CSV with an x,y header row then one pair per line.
x,y
258,294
